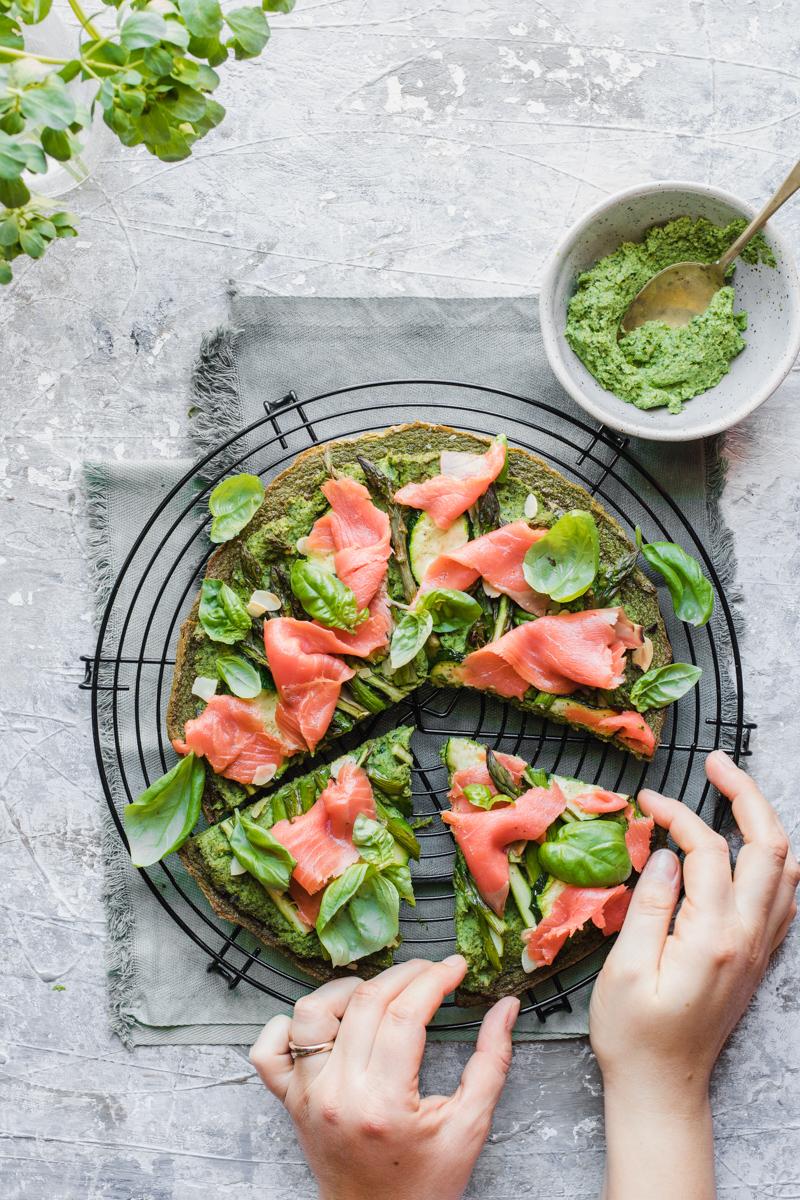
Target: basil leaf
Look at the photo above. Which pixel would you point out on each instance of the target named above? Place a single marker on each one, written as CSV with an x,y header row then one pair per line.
x,y
222,614
692,594
324,597
535,777
480,795
373,841
359,914
232,504
240,676
400,875
450,610
164,815
587,854
563,564
410,635
664,685
261,854
501,777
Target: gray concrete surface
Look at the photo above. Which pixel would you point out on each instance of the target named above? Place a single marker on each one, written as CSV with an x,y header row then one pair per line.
x,y
378,148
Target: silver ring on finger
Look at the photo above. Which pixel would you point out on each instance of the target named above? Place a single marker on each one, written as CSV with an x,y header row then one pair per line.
x,y
306,1051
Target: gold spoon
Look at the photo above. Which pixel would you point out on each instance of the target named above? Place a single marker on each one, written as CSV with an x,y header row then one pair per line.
x,y
684,290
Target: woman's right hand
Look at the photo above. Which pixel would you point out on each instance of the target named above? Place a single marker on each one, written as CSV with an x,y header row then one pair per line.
x,y
665,1003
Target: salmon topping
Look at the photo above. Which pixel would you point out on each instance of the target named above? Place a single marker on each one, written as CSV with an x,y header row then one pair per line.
x,y
447,496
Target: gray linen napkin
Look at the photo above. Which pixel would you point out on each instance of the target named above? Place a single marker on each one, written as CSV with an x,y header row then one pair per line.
x,y
159,986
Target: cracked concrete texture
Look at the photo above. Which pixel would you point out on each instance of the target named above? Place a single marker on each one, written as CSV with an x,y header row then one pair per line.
x,y
378,148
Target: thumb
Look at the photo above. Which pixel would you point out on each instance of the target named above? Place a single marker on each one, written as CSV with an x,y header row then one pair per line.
x,y
485,1074
644,932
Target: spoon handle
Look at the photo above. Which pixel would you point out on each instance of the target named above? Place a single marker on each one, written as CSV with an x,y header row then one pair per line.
x,y
788,188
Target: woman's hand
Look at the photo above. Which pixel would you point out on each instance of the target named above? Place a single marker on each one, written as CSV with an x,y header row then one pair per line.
x,y
665,1003
360,1119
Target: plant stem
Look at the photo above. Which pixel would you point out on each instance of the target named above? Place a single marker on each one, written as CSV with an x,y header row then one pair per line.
x,y
84,20
42,58
502,619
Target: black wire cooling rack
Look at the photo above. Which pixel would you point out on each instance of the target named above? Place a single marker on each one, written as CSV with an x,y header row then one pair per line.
x,y
129,675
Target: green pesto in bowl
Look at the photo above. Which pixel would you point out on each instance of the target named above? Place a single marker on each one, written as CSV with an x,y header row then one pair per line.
x,y
656,366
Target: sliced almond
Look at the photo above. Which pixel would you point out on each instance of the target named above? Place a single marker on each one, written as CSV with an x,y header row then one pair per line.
x,y
237,868
531,506
643,655
490,591
262,775
204,687
263,602
302,545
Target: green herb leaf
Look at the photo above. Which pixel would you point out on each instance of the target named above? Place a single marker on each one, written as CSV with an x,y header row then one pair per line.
x,y
279,6
13,158
49,103
563,564
56,143
250,31
359,914
261,854
222,614
13,192
587,854
165,814
481,796
692,594
203,17
234,502
664,685
400,875
240,676
450,610
324,597
373,841
410,635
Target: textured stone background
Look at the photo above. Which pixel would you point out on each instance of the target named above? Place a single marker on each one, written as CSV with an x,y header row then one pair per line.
x,y
378,148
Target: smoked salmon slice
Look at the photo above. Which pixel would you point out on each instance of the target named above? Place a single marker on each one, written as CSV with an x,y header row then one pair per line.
x,y
605,907
598,800
479,773
483,837
630,727
357,533
308,670
637,838
229,733
495,557
557,654
464,478
320,840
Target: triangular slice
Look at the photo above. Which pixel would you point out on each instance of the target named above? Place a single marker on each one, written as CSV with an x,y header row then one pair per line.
x,y
318,867
543,869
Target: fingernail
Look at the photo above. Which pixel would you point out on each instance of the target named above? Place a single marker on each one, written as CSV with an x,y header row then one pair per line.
x,y
512,1012
454,960
662,867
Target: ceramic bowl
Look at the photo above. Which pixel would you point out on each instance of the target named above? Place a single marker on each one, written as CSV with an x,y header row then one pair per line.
x,y
769,295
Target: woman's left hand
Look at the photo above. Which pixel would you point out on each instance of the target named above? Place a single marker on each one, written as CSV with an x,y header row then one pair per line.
x,y
361,1121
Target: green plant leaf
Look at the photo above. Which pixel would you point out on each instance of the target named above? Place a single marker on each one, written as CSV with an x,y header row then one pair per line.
x,y
5,272
373,841
48,103
450,610
240,676
587,854
233,503
324,597
13,192
563,564
250,31
278,6
203,17
13,158
410,635
692,594
10,34
664,685
222,614
57,144
260,853
9,231
141,29
400,875
166,813
359,914
32,242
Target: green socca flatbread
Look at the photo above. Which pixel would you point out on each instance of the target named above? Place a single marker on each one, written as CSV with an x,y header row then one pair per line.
x,y
261,557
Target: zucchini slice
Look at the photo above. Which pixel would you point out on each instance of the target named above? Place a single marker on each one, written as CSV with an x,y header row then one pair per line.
x,y
426,542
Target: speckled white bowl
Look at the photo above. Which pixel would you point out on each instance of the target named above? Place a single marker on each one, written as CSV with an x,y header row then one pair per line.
x,y
770,297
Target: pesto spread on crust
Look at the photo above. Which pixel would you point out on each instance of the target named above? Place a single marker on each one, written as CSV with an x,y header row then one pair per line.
x,y
656,366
